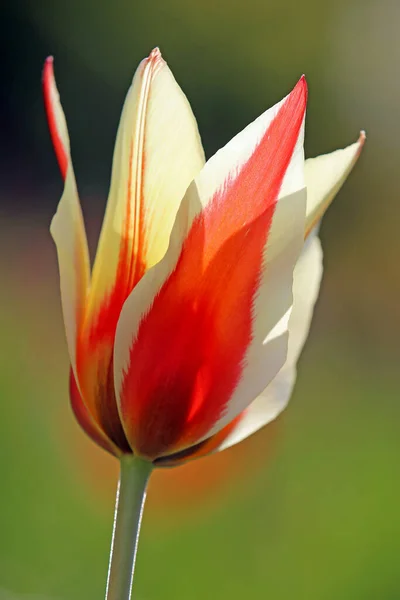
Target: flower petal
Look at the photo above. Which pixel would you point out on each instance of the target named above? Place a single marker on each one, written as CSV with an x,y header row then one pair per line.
x,y
204,331
68,231
86,421
325,175
158,152
306,283
67,227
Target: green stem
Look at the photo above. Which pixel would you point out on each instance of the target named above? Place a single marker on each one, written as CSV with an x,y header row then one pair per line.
x,y
131,495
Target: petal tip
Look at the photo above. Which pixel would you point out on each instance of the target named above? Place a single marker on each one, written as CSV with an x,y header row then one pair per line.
x,y
152,63
48,70
302,83
155,53
300,93
359,144
155,58
362,138
55,116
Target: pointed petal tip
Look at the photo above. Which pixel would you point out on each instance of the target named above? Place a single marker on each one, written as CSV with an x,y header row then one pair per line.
x,y
152,63
155,53
360,143
361,139
48,70
325,176
155,57
300,92
302,83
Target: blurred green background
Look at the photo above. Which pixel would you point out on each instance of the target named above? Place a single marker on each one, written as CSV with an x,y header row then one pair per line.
x,y
309,507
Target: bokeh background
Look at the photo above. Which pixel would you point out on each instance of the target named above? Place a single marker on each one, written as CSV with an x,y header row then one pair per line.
x,y
309,507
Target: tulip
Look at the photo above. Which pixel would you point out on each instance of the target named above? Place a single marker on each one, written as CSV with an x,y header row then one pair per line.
x,y
184,336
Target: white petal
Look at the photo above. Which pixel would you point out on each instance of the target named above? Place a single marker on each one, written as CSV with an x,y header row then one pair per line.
x,y
307,278
325,175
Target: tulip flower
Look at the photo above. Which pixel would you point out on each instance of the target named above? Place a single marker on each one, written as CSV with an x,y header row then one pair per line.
x,y
184,336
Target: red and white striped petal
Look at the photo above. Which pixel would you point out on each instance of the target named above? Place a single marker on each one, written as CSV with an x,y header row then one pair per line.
x,y
158,152
325,175
206,329
263,410
67,227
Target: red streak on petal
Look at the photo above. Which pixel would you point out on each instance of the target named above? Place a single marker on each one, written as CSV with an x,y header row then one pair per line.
x,y
188,354
84,418
49,90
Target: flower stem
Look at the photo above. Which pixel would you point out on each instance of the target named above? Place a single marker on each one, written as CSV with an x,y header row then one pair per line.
x,y
131,495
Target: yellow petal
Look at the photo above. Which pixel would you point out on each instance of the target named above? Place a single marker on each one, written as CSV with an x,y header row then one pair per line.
x,y
325,175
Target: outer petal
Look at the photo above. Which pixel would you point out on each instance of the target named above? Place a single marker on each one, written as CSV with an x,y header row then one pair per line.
x,y
67,227
306,283
68,231
325,175
204,331
86,421
158,152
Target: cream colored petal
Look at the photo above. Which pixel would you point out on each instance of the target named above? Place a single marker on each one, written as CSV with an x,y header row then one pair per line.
x,y
325,175
157,154
67,227
270,403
